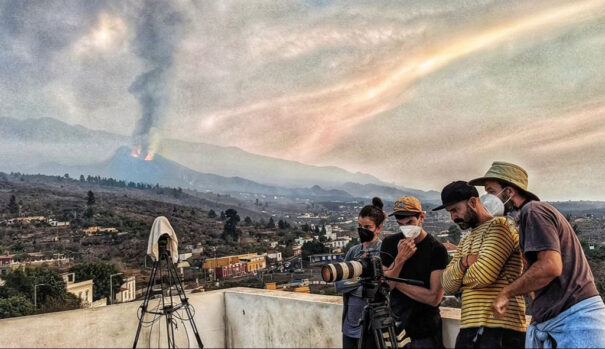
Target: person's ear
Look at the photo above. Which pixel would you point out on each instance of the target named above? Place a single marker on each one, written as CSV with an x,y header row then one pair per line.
x,y
511,192
421,218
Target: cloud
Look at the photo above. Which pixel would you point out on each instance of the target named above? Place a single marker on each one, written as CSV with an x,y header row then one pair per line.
x,y
455,85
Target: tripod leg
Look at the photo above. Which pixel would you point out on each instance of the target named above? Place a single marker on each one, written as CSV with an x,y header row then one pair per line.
x,y
145,302
185,302
168,324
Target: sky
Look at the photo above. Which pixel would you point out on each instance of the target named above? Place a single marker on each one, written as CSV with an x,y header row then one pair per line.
x,y
417,93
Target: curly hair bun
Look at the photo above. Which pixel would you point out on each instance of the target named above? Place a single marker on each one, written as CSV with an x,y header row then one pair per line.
x,y
376,201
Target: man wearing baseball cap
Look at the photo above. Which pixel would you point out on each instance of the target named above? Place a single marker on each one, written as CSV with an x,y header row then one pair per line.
x,y
567,311
415,254
486,260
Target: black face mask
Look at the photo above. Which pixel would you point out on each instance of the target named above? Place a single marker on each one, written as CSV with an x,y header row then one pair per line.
x,y
365,235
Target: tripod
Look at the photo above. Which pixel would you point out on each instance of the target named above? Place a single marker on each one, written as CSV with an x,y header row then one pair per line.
x,y
167,307
377,317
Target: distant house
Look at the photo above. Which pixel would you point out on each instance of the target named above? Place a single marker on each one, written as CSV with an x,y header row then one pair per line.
x,y
297,250
6,262
250,262
7,259
22,220
274,257
325,258
82,290
55,223
338,243
98,230
127,291
198,249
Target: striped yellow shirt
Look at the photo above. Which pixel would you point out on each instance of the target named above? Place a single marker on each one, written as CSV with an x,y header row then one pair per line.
x,y
496,242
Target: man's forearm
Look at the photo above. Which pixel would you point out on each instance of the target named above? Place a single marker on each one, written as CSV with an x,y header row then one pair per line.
x,y
420,294
394,270
536,277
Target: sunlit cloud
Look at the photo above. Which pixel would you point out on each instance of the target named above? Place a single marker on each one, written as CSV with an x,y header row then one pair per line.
x,y
456,84
330,113
109,31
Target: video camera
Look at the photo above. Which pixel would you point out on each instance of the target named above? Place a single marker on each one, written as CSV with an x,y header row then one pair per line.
x,y
367,268
377,320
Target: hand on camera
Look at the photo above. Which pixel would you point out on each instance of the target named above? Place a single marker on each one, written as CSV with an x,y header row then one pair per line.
x,y
406,249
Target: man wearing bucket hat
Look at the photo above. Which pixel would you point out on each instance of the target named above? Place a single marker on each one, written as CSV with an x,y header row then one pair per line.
x,y
567,311
500,179
487,259
415,254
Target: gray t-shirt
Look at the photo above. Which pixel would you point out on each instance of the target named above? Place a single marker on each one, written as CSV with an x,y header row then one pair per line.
x,y
541,228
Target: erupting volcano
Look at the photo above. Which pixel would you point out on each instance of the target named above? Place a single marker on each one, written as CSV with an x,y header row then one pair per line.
x,y
136,153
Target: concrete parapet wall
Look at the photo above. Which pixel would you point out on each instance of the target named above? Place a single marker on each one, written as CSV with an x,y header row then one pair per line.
x,y
112,326
234,318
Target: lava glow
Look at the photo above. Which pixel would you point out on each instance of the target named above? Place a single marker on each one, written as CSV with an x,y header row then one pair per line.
x,y
136,151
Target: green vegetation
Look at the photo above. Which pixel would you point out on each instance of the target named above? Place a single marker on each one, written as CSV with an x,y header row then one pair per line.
x,y
100,273
50,292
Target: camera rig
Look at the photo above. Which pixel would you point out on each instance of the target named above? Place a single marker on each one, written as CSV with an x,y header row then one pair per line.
x,y
377,320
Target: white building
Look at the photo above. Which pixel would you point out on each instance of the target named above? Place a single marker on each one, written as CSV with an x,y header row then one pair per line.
x,y
82,289
275,256
127,291
54,223
338,243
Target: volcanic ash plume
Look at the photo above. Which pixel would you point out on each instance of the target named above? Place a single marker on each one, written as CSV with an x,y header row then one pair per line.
x,y
157,30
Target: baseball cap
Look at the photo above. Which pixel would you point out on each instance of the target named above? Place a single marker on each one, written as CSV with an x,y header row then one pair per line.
x,y
455,192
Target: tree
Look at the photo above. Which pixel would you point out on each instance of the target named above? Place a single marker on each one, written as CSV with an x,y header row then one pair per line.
x,y
211,214
271,223
15,306
90,198
222,217
100,273
281,224
230,228
247,220
13,207
82,179
313,247
51,294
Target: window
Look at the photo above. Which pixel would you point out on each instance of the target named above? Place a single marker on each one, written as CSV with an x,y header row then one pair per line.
x,y
87,295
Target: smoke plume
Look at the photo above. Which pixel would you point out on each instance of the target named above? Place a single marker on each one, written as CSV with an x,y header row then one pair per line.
x,y
157,32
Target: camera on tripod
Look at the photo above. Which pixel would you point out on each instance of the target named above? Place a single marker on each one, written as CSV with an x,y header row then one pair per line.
x,y
369,267
377,318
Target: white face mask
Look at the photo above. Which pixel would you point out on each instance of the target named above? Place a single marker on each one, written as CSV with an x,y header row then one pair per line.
x,y
492,204
410,231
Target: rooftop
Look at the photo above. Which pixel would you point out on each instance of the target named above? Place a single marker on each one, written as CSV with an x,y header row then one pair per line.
x,y
229,318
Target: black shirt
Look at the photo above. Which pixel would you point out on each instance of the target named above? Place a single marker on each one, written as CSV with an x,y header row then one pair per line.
x,y
541,228
419,320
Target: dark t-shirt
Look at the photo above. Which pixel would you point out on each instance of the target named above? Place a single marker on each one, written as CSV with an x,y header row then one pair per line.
x,y
419,320
541,228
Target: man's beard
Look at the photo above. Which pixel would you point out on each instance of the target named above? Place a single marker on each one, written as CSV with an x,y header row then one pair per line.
x,y
471,219
509,206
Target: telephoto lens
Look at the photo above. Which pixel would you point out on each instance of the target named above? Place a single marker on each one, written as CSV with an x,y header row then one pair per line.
x,y
341,271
